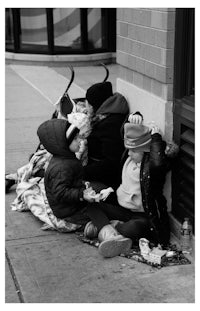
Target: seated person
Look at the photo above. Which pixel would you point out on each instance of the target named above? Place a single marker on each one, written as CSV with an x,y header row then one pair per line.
x,y
105,146
63,181
140,207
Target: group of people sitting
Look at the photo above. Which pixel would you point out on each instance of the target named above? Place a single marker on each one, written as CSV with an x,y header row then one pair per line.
x,y
124,156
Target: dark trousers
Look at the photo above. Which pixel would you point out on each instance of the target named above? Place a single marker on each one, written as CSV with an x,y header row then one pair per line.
x,y
135,225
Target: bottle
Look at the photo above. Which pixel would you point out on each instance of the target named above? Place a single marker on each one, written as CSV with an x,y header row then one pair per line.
x,y
186,236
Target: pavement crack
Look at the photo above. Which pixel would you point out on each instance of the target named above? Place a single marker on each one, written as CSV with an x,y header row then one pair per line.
x,y
31,237
17,287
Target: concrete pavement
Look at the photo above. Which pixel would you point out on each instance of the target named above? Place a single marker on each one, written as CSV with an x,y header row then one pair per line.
x,y
51,267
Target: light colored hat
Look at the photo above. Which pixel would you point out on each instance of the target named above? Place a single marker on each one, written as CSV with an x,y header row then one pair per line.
x,y
137,137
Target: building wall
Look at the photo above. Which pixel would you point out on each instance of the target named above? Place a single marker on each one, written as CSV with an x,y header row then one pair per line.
x,y
145,51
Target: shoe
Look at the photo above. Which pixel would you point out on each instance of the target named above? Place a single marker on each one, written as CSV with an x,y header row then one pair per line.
x,y
112,243
114,223
90,231
8,184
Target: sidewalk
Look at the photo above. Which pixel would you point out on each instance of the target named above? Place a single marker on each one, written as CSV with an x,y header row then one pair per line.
x,y
51,267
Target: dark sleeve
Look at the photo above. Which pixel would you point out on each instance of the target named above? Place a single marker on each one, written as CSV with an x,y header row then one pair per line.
x,y
158,170
158,160
112,147
62,188
157,151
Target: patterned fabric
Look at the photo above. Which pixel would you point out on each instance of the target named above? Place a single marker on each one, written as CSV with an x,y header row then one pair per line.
x,y
31,195
178,257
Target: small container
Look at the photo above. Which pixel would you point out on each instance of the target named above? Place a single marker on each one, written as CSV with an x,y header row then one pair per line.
x,y
186,236
170,254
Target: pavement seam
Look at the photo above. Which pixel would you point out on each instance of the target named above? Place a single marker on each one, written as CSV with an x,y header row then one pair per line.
x,y
18,290
31,84
32,242
38,89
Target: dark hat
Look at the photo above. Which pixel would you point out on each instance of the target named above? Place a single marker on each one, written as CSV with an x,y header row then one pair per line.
x,y
71,132
98,93
137,137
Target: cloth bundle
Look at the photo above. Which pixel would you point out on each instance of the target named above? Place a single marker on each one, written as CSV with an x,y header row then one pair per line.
x,y
30,190
31,195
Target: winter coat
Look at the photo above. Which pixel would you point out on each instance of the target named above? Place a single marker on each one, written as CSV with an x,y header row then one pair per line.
x,y
63,177
154,168
105,145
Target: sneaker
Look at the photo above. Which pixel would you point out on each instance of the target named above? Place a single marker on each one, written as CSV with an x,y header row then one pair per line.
x,y
90,231
115,246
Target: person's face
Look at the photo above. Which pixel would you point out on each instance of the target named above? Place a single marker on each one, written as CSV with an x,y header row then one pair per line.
x,y
136,156
75,144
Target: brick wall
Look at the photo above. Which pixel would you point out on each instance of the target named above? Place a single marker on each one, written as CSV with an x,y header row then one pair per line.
x,y
145,48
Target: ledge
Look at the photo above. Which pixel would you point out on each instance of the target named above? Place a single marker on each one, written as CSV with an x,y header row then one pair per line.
x,y
78,59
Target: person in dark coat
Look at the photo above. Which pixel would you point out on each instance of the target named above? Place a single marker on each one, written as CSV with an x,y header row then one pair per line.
x,y
140,208
105,146
63,178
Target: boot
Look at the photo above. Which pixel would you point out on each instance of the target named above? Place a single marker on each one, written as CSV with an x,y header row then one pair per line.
x,y
8,184
90,231
112,243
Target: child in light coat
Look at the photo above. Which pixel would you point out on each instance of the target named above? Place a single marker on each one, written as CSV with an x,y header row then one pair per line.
x,y
140,208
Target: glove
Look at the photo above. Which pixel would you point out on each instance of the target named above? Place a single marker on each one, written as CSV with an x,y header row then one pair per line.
x,y
135,118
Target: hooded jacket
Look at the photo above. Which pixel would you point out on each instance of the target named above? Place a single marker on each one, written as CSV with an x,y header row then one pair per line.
x,y
105,145
63,177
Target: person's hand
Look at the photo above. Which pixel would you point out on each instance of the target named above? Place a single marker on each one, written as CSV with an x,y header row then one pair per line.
x,y
135,118
155,129
104,193
89,195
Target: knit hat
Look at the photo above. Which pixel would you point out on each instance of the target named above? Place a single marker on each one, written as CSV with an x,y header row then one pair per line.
x,y
137,137
71,132
98,93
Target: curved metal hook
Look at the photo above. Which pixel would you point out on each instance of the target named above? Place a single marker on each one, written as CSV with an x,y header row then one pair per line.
x,y
66,105
71,79
107,72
